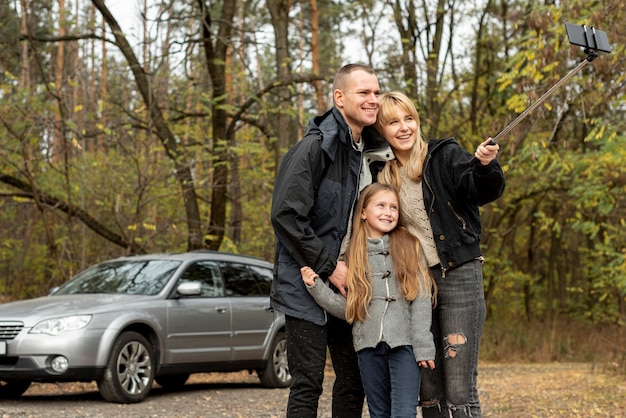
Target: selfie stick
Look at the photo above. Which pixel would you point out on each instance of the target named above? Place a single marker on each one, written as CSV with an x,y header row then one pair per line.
x,y
593,40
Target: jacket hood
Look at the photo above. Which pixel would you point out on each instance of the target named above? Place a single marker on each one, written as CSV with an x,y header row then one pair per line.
x,y
332,124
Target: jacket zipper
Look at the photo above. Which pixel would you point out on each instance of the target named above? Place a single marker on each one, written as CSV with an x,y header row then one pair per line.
x,y
387,299
432,203
358,180
459,217
425,180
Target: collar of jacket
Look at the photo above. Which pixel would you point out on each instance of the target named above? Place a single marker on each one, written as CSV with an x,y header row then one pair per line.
x,y
383,153
434,144
331,124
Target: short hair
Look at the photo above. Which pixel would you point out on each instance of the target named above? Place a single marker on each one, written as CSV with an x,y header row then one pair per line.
x,y
340,78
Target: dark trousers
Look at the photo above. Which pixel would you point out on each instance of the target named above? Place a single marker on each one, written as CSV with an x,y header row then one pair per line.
x,y
391,379
306,353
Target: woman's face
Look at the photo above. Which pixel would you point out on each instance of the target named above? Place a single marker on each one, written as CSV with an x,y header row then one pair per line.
x,y
401,133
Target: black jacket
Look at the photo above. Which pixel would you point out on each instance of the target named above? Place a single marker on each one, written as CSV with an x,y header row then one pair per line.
x,y
454,188
314,193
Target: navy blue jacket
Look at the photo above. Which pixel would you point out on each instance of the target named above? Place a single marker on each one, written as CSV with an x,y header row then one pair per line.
x,y
454,188
315,190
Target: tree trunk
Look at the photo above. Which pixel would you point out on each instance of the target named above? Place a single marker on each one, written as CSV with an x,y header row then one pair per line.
x,y
315,54
432,71
279,10
58,142
182,166
24,81
215,59
409,34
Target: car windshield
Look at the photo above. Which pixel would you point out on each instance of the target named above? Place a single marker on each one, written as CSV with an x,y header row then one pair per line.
x,y
133,277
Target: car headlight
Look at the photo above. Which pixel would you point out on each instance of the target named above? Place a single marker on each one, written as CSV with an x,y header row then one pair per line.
x,y
56,326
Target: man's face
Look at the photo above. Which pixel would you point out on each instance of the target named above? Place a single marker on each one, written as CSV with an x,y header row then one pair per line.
x,y
358,101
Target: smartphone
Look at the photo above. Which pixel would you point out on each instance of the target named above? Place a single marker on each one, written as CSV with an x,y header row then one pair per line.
x,y
588,37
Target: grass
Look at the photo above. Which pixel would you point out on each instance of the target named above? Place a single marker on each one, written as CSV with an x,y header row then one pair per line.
x,y
561,341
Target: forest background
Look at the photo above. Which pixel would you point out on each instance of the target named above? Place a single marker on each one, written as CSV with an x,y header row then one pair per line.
x,y
158,126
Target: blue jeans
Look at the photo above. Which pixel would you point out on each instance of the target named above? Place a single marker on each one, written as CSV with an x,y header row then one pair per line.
x,y
306,354
391,380
457,326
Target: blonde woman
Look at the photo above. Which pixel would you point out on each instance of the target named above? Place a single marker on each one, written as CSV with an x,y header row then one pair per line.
x,y
441,186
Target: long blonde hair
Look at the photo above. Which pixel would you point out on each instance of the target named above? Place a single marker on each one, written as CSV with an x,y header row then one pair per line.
x,y
390,103
404,249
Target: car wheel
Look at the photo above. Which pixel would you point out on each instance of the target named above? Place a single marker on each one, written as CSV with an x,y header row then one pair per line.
x,y
172,381
276,372
129,372
11,389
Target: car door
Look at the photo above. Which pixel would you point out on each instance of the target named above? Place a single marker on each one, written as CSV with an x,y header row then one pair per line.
x,y
199,327
248,289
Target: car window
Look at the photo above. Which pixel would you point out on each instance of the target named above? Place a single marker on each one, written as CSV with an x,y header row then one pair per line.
x,y
264,277
239,280
207,273
134,277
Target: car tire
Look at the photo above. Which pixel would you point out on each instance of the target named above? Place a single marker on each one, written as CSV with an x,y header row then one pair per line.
x,y
276,372
13,389
172,381
129,372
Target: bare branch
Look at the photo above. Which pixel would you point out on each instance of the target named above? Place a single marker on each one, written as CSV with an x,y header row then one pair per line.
x,y
72,210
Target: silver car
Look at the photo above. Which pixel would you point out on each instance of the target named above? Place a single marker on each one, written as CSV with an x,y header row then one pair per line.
x,y
132,320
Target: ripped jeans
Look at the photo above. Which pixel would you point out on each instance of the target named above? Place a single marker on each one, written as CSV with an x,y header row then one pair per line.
x,y
457,327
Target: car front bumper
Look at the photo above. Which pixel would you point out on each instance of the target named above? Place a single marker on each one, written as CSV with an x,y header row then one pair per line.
x,y
30,356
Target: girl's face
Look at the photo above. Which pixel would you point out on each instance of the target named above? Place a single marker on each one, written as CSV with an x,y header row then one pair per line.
x,y
401,133
381,213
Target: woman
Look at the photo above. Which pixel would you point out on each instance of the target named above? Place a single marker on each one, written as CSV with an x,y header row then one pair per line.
x,y
441,187
388,303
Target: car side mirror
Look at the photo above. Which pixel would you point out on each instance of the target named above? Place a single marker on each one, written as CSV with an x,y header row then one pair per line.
x,y
189,289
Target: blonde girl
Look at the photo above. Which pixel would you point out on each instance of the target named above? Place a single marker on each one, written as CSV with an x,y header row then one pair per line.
x,y
389,303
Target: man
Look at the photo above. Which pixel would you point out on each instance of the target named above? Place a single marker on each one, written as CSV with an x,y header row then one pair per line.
x,y
314,194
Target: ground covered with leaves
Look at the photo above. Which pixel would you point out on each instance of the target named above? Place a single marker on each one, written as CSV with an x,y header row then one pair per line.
x,y
520,390
567,390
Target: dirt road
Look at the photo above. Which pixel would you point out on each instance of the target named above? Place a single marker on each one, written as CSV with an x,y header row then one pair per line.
x,y
507,390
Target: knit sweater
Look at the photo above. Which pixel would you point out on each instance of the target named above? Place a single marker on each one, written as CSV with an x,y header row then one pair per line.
x,y
415,216
390,317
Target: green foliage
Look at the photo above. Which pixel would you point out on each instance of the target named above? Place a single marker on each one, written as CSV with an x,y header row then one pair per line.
x,y
566,208
555,240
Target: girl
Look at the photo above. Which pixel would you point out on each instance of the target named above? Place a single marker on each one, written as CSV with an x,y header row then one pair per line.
x,y
389,303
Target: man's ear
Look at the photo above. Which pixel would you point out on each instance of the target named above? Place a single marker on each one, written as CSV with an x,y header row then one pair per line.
x,y
338,97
